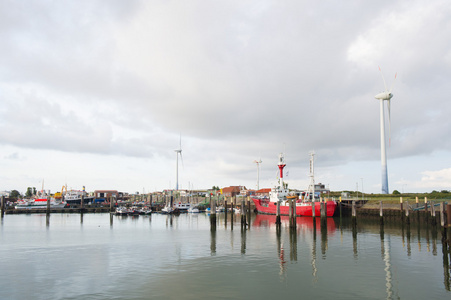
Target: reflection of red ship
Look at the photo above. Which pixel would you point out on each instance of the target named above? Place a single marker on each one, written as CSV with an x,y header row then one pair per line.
x,y
301,222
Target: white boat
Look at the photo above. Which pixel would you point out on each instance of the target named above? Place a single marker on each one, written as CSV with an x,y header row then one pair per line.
x,y
39,202
145,210
121,211
220,209
183,207
167,210
193,210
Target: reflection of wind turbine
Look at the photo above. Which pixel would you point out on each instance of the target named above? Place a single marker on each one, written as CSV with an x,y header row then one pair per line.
x,y
258,162
388,276
178,151
386,95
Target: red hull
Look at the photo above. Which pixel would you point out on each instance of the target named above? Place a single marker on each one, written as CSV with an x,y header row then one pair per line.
x,y
266,207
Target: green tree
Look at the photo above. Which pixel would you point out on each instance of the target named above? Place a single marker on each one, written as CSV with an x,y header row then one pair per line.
x,y
14,194
29,192
396,192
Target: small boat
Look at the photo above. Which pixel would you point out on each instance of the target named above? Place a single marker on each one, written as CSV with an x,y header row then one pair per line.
x,y
280,194
220,209
121,211
183,207
133,211
145,210
193,210
39,202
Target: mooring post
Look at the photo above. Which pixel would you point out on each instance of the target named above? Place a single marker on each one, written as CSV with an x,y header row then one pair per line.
x,y
82,202
434,220
294,215
249,208
354,214
448,213
290,213
381,213
426,215
243,212
340,207
407,213
212,212
3,206
48,205
225,209
313,208
401,206
443,221
278,213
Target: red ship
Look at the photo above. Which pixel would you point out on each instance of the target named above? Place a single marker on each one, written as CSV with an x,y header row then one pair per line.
x,y
304,205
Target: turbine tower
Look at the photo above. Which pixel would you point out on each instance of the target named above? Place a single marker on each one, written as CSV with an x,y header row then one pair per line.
x,y
258,162
384,96
178,151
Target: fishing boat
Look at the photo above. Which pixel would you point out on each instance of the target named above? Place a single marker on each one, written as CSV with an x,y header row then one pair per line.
x,y
183,207
73,197
307,205
121,211
39,202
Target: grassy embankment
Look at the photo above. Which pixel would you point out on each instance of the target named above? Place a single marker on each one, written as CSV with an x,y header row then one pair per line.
x,y
393,200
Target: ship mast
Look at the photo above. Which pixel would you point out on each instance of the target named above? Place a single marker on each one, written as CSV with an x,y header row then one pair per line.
x,y
311,189
281,165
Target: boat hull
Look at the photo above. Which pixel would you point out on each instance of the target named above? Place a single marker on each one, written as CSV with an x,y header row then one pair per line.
x,y
302,209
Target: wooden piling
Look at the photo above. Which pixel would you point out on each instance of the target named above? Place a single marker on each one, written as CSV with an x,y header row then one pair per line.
x,y
448,213
443,221
407,213
278,214
243,213
354,214
313,207
290,212
381,214
3,206
426,215
434,220
225,209
82,202
212,213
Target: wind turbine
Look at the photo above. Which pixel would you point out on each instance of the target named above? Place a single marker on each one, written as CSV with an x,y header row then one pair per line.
x,y
178,151
258,162
385,96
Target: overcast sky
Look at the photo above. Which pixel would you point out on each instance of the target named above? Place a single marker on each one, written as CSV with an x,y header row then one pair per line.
x,y
98,93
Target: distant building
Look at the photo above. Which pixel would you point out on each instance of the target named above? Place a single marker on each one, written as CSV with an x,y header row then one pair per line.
x,y
262,192
232,191
105,195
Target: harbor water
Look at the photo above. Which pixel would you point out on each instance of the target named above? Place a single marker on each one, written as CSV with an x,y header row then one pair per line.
x,y
91,256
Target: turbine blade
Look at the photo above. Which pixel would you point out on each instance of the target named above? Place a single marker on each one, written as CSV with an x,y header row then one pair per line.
x,y
393,83
385,85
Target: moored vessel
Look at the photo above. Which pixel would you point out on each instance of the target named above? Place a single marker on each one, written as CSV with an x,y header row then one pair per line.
x,y
305,206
